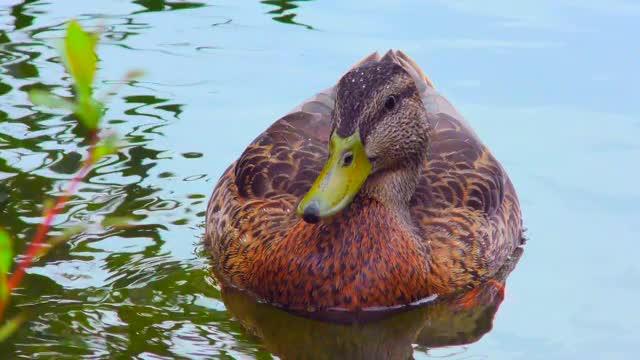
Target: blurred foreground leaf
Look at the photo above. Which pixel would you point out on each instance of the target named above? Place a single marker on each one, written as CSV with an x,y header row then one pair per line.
x,y
47,99
107,146
81,59
6,253
79,55
6,256
89,112
10,326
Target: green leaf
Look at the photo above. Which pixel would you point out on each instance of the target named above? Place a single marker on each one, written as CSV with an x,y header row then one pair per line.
x,y
6,253
6,257
81,57
47,99
89,112
107,146
47,205
10,326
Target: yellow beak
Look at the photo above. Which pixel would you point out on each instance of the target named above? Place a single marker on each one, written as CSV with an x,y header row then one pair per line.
x,y
340,180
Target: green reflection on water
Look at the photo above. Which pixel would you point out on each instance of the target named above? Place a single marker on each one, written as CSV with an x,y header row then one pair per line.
x,y
162,5
284,12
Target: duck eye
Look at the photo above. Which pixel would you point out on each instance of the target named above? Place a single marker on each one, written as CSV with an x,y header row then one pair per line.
x,y
347,159
390,103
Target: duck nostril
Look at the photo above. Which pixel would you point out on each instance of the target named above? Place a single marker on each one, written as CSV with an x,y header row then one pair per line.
x,y
311,213
347,159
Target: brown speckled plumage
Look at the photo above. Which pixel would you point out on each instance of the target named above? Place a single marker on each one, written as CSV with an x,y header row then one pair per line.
x,y
464,216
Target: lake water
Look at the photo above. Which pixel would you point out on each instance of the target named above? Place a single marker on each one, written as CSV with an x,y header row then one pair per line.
x,y
550,86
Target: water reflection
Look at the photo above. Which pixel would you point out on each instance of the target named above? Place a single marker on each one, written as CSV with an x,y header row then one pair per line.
x,y
22,19
162,5
453,320
283,13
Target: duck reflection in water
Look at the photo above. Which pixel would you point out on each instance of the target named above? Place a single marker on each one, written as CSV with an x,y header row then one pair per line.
x,y
455,319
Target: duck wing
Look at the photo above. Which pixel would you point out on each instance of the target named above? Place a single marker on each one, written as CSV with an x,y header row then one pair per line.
x,y
465,205
254,201
287,158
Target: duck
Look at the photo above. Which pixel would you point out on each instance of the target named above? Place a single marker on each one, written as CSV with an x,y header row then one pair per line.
x,y
374,193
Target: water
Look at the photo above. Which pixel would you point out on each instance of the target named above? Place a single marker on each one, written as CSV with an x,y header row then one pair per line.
x,y
549,86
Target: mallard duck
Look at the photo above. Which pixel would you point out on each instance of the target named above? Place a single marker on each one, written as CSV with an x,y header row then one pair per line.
x,y
374,193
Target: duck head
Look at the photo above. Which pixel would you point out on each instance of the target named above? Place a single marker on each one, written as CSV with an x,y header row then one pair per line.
x,y
379,140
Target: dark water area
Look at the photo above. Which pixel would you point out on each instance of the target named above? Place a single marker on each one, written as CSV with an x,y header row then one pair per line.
x,y
550,87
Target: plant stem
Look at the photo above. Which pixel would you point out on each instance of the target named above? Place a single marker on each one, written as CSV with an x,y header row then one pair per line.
x,y
43,229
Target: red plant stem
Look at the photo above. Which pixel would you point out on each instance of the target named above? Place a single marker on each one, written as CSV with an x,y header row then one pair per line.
x,y
50,214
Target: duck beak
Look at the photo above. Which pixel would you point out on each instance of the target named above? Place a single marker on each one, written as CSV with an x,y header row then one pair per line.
x,y
343,174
